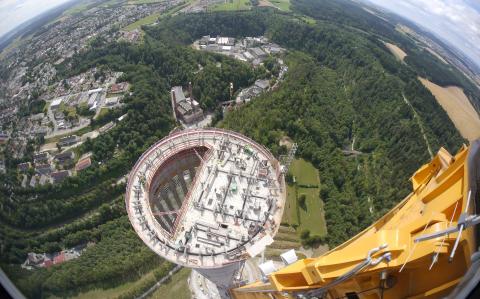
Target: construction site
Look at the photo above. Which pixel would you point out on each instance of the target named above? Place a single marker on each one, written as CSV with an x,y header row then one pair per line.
x,y
211,199
206,199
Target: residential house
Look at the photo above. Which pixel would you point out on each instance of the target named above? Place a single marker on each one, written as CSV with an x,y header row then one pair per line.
x,y
83,164
69,140
24,167
60,176
65,158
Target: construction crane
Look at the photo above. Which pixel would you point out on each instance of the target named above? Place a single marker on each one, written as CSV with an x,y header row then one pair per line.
x,y
425,247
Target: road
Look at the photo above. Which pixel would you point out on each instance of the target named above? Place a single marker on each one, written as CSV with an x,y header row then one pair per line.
x,y
84,122
50,147
9,286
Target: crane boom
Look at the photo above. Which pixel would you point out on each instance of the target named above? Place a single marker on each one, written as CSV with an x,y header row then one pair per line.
x,y
420,249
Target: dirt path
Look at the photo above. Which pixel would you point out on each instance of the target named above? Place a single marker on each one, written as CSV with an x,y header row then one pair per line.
x,y
454,101
419,122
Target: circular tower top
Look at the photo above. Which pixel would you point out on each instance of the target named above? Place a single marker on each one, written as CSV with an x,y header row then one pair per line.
x,y
206,198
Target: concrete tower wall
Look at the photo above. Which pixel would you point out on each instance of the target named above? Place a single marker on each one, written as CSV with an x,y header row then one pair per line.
x,y
204,199
223,277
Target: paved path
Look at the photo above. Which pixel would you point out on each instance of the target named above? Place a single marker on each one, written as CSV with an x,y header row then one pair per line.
x,y
159,283
9,286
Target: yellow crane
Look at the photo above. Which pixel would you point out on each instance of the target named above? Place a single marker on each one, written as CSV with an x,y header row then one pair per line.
x,y
422,248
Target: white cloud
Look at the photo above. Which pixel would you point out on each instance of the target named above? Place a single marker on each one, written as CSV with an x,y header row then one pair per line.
x,y
15,12
457,21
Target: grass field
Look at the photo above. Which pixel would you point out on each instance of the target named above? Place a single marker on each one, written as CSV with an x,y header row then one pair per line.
x,y
80,7
286,238
281,4
290,212
114,292
154,17
176,287
144,21
232,5
304,172
102,112
311,216
309,20
79,132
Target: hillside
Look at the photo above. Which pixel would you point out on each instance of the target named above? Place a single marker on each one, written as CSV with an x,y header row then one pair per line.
x,y
343,91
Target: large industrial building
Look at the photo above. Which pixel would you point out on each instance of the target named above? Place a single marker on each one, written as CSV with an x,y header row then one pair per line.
x,y
206,199
186,109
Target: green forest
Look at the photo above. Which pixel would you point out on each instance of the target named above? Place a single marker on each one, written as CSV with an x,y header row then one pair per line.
x,y
343,88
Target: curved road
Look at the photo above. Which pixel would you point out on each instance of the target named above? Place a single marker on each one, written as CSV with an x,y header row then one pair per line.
x,y
9,286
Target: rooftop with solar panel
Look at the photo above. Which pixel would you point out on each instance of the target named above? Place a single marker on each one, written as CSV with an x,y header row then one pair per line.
x,y
206,197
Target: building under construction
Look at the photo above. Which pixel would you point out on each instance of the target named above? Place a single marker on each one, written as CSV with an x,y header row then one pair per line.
x,y
206,199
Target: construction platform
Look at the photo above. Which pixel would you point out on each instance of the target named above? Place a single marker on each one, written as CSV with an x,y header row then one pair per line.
x,y
206,198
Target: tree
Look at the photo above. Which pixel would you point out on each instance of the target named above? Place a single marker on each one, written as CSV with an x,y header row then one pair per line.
x,y
289,178
305,234
302,201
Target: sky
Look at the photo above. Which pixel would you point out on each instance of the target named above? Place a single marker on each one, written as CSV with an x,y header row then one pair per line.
x,y
457,21
15,12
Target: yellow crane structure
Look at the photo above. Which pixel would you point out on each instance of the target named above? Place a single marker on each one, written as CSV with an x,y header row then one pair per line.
x,y
422,248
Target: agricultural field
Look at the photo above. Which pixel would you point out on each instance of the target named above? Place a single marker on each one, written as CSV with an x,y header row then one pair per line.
x,y
77,9
458,107
396,51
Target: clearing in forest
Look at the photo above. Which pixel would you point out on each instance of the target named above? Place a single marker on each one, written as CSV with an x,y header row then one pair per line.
x,y
265,3
150,19
232,5
396,51
454,101
281,4
307,183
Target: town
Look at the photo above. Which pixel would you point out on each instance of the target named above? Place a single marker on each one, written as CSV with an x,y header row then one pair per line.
x,y
71,105
252,50
38,110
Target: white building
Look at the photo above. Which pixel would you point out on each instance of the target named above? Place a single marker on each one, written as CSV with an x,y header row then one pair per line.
x,y
56,103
